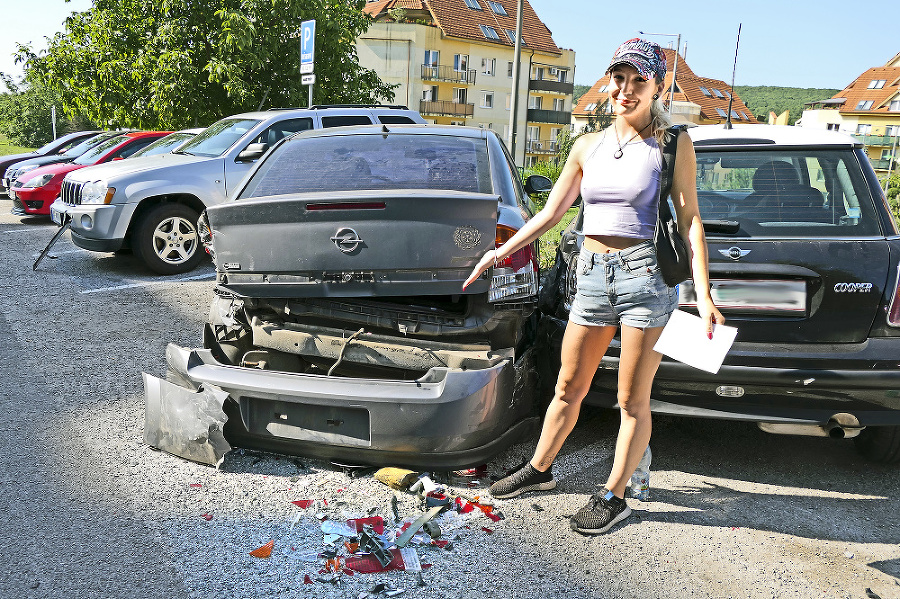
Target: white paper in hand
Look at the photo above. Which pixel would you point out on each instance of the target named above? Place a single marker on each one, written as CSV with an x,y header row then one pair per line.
x,y
685,339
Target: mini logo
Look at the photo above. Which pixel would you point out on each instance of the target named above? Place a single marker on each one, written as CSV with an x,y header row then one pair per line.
x,y
467,238
853,287
346,240
735,253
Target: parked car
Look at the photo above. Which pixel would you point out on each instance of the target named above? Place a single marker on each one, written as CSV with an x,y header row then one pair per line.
x,y
34,192
58,146
21,168
803,260
157,199
339,327
169,143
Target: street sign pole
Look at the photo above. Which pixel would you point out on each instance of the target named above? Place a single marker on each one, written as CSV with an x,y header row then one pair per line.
x,y
307,55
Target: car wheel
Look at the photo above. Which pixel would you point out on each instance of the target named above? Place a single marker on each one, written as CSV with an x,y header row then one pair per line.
x,y
166,239
879,444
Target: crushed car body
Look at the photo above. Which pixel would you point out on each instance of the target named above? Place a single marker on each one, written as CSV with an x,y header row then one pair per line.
x,y
339,327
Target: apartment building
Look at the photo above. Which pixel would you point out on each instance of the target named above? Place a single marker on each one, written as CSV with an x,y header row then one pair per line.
x,y
868,109
698,100
452,60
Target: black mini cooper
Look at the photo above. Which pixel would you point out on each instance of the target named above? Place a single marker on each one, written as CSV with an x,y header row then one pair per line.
x,y
804,256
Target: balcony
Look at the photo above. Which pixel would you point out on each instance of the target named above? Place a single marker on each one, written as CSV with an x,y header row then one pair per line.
x,y
445,108
880,164
876,140
541,146
447,73
554,117
556,87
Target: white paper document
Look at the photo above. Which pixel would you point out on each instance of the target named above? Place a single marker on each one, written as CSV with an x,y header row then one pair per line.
x,y
685,339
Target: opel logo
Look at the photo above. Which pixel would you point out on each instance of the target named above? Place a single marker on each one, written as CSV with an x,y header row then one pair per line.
x,y
347,240
735,253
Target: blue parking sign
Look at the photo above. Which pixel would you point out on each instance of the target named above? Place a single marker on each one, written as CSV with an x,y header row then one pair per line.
x,y
307,41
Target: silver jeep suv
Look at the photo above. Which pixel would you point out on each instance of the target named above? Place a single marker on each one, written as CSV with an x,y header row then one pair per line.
x,y
151,204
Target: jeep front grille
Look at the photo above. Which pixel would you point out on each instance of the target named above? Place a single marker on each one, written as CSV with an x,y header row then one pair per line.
x,y
71,192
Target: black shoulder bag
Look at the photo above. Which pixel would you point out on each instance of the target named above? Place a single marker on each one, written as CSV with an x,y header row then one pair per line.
x,y
671,251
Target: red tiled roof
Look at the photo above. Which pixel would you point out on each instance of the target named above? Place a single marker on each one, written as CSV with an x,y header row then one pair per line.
x,y
458,20
858,91
689,85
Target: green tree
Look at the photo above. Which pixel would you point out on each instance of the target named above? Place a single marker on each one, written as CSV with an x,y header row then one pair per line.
x,y
26,116
178,63
762,99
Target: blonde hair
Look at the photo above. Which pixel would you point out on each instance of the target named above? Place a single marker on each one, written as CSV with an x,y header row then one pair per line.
x,y
659,118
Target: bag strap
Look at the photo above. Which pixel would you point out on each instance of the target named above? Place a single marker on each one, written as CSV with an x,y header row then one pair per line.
x,y
670,143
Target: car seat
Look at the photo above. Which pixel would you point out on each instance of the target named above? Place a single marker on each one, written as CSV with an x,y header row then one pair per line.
x,y
778,195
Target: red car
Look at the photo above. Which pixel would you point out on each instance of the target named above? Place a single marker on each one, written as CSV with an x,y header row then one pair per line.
x,y
41,186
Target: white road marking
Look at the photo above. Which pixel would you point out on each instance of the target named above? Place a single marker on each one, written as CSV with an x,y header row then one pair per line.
x,y
52,253
38,228
148,283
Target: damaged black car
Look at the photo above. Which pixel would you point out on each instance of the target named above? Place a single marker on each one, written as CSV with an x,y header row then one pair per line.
x,y
340,329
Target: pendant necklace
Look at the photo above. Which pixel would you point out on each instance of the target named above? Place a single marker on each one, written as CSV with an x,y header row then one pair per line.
x,y
618,154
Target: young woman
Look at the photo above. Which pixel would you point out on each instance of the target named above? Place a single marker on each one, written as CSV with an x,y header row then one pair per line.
x,y
617,173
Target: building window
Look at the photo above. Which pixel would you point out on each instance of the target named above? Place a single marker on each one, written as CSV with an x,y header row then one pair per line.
x,y
430,93
509,101
864,105
705,91
559,104
488,65
895,105
603,88
497,7
892,130
459,95
537,73
489,32
833,126
721,112
885,154
863,129
535,102
461,62
590,107
562,75
718,93
727,94
473,4
509,69
487,99
459,123
511,35
876,84
432,58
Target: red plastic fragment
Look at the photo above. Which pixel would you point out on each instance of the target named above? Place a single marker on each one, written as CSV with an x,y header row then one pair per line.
x,y
307,579
304,503
368,564
487,530
348,571
493,517
206,517
377,523
196,485
441,543
264,551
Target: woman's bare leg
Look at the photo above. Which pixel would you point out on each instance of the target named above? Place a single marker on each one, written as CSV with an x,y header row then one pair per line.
x,y
582,349
637,367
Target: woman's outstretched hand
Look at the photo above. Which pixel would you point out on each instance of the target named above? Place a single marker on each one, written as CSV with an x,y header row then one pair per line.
x,y
486,262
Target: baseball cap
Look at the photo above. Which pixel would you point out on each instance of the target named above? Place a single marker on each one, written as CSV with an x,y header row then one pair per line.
x,y
646,57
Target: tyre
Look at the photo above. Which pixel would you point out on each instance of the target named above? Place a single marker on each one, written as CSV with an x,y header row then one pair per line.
x,y
166,239
879,444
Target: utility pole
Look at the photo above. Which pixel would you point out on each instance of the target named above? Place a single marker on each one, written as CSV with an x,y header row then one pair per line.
x,y
514,104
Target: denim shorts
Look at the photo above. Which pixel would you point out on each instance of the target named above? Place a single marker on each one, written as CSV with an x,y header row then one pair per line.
x,y
622,287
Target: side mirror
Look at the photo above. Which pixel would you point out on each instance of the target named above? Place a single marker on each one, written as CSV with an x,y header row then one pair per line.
x,y
538,184
252,152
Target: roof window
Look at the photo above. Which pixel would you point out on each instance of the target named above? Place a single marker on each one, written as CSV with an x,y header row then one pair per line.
x,y
876,84
705,91
721,112
489,32
864,105
497,8
718,93
473,4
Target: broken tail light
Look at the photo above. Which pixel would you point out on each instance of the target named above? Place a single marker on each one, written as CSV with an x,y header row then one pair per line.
x,y
516,276
893,315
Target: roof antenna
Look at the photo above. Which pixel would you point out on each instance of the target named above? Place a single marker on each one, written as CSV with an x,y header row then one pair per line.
x,y
733,71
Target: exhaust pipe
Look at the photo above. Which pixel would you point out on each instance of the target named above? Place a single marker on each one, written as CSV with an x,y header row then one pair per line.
x,y
839,426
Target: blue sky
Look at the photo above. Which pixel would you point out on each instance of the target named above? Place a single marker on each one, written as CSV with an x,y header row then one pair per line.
x,y
795,43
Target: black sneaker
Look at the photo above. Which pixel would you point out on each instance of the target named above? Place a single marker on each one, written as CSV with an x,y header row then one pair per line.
x,y
601,513
521,479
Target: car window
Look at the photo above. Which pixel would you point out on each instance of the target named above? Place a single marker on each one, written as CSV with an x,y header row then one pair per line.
x,y
395,119
94,154
218,137
343,121
129,150
364,162
786,193
89,143
278,131
164,145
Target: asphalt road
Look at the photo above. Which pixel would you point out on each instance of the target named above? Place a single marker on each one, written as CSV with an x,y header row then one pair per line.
x,y
89,511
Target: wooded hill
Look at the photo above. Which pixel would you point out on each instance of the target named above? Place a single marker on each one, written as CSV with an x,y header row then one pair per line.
x,y
764,98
